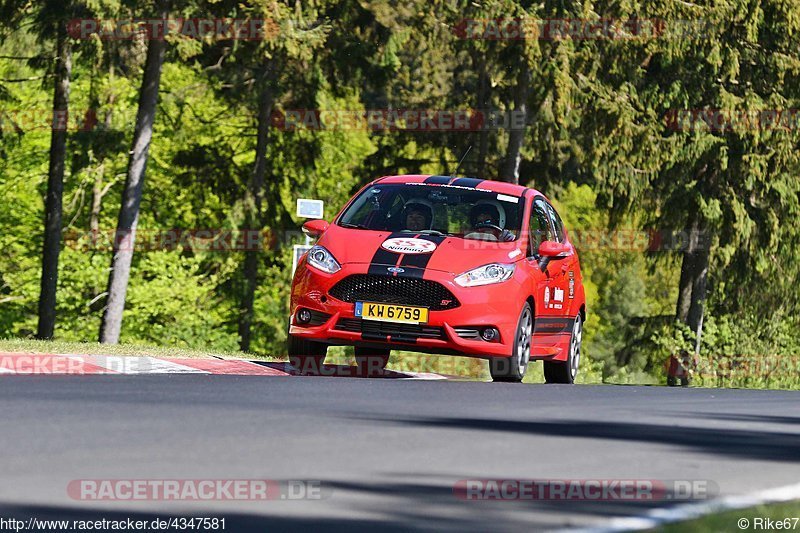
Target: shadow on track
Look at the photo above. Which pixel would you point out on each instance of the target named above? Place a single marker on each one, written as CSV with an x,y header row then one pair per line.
x,y
744,417
749,444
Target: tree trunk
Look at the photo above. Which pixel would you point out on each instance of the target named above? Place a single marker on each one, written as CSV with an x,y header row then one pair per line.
x,y
694,273
685,287
254,199
132,195
483,105
518,127
695,316
97,202
55,189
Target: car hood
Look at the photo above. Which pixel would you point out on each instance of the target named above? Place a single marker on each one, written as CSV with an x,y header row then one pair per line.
x,y
447,254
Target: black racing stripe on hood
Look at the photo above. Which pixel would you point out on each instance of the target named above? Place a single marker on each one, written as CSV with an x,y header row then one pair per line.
x,y
384,257
467,182
419,262
437,180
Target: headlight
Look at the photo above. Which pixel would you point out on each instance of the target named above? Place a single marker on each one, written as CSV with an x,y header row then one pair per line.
x,y
493,273
320,258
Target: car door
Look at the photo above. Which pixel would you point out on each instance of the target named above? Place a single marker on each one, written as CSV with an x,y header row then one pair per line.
x,y
561,270
540,229
552,284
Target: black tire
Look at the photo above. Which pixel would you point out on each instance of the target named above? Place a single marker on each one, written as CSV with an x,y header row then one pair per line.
x,y
371,362
512,369
685,382
306,356
671,381
567,371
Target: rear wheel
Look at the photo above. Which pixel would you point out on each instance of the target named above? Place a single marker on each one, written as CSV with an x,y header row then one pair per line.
x,y
513,368
305,355
567,371
371,362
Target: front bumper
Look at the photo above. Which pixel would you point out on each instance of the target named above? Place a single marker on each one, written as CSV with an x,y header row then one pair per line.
x,y
335,323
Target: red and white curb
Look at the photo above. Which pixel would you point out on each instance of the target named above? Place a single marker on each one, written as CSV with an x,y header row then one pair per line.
x,y
65,364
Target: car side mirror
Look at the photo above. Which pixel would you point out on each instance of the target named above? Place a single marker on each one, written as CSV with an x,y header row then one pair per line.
x,y
550,250
315,228
553,249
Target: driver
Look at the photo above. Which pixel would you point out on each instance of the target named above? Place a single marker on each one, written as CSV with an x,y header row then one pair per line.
x,y
489,213
482,213
417,216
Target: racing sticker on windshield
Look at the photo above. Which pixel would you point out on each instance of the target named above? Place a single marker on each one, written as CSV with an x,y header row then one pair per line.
x,y
507,198
406,245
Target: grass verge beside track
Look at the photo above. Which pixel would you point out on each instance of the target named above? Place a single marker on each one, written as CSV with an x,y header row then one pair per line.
x,y
95,348
785,513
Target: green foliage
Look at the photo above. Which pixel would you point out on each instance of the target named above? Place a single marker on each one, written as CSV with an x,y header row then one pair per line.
x,y
598,143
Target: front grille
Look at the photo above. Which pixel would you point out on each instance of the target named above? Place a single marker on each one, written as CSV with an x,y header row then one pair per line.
x,y
374,329
394,290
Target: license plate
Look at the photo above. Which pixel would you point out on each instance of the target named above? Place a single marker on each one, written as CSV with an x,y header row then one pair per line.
x,y
392,313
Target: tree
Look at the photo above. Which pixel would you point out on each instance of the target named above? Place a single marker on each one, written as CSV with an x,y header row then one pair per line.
x,y
125,235
510,170
51,20
290,39
55,186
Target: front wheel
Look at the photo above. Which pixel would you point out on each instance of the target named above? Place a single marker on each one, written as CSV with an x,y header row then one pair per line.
x,y
513,368
306,356
567,371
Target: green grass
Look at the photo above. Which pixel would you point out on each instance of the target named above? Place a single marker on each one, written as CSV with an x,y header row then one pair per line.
x,y
728,520
462,367
768,371
95,348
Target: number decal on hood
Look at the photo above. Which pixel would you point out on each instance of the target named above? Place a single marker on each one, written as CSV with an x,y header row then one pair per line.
x,y
403,245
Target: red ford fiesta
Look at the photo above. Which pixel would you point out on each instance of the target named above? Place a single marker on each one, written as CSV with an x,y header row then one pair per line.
x,y
446,265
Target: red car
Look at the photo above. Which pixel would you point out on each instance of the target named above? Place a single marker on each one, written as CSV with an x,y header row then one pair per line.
x,y
439,264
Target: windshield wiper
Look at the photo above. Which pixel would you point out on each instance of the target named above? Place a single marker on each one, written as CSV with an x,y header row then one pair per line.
x,y
354,226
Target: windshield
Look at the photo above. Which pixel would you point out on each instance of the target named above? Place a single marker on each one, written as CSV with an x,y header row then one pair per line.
x,y
436,209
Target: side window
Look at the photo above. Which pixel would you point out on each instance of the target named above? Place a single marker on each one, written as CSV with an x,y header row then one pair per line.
x,y
540,229
557,224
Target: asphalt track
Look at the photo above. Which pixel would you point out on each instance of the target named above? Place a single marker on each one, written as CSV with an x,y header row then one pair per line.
x,y
387,452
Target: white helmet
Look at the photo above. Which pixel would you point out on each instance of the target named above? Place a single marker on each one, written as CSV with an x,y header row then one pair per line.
x,y
501,212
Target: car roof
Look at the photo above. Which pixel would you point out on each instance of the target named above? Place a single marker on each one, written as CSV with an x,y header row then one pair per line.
x,y
501,187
